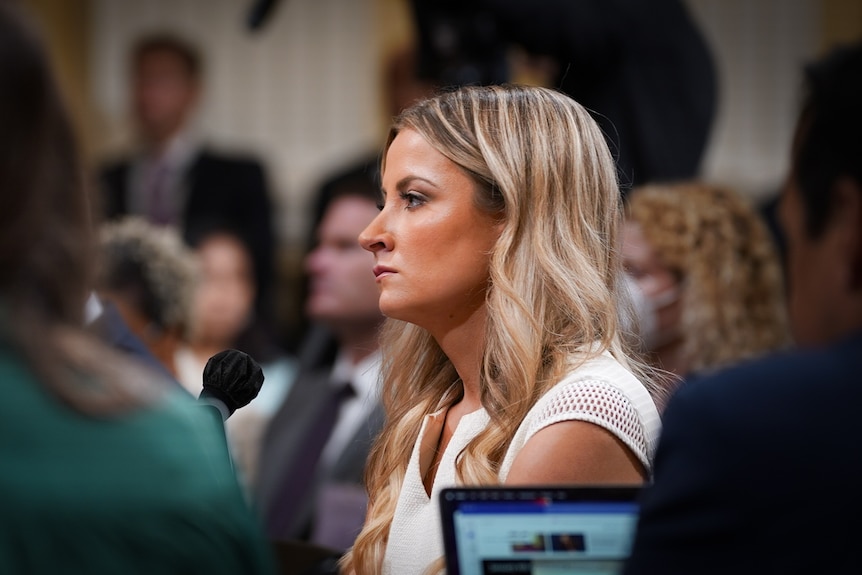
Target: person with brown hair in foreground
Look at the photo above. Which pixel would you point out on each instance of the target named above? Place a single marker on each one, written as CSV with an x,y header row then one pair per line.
x,y
105,468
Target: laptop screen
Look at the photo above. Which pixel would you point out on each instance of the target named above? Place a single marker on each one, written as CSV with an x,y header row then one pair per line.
x,y
538,530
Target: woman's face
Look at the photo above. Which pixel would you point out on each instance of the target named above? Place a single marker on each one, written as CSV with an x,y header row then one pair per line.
x,y
225,295
643,264
657,283
431,243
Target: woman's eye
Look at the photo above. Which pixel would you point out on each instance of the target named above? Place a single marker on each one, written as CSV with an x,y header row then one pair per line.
x,y
412,199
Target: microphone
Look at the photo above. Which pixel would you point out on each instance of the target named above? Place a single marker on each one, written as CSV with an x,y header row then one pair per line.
x,y
231,380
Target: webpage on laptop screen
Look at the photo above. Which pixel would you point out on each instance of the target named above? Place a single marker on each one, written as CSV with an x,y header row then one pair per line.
x,y
543,539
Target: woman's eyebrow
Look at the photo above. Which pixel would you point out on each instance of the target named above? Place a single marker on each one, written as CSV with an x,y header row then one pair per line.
x,y
405,182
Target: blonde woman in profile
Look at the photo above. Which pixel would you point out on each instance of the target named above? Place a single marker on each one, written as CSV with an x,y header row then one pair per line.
x,y
709,275
496,258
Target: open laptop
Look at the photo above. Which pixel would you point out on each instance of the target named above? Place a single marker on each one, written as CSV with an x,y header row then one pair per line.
x,y
538,530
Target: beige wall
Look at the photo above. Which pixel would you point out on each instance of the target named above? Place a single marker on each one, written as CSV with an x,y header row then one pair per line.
x,y
65,25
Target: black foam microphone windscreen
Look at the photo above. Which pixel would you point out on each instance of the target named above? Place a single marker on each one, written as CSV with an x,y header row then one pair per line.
x,y
232,378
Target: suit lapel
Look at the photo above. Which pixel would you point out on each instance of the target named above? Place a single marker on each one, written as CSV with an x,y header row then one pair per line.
x,y
350,466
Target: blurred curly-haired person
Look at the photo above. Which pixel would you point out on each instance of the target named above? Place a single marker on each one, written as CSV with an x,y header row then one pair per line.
x,y
149,274
708,274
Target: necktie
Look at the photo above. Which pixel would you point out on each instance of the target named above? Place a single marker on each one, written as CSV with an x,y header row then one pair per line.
x,y
157,184
294,492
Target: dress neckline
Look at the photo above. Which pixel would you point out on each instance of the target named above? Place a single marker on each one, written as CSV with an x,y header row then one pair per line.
x,y
431,432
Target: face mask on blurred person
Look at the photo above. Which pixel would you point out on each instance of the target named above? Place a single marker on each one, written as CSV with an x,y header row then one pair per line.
x,y
652,330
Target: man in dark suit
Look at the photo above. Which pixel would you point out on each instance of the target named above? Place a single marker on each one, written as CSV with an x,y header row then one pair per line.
x,y
310,480
758,469
172,179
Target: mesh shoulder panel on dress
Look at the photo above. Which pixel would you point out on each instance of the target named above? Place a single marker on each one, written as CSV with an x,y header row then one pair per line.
x,y
597,402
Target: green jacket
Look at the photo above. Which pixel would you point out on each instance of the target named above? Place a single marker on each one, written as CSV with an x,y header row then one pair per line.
x,y
150,492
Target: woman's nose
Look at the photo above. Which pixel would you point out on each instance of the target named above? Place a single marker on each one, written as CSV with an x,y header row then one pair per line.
x,y
374,237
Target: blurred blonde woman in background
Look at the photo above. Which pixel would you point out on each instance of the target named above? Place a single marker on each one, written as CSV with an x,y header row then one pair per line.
x,y
496,257
709,276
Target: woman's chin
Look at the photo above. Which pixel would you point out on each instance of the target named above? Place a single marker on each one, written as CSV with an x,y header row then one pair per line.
x,y
394,310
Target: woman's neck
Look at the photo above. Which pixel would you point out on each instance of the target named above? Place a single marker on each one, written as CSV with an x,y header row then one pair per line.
x,y
464,345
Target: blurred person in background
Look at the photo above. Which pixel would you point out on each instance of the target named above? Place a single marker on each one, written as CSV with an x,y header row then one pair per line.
x,y
171,177
708,277
222,316
149,275
401,87
310,482
102,319
105,470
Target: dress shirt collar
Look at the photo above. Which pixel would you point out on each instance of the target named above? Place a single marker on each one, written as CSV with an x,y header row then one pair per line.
x,y
363,375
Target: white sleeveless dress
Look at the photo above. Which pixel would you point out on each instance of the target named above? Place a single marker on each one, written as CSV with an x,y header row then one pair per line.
x,y
601,391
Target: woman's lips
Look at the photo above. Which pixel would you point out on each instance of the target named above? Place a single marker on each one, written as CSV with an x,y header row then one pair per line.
x,y
382,270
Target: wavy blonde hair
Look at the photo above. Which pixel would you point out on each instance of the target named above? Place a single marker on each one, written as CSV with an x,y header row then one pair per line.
x,y
542,165
732,289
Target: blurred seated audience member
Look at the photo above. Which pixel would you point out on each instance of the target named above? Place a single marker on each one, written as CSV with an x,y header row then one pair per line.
x,y
758,467
223,316
222,311
102,319
149,275
707,275
105,470
171,176
401,87
310,483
